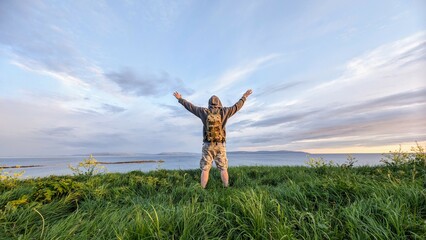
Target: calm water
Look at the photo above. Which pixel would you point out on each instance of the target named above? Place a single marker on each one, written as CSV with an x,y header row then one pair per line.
x,y
59,165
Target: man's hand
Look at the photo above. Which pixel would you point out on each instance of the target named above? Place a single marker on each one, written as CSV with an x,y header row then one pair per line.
x,y
177,95
247,93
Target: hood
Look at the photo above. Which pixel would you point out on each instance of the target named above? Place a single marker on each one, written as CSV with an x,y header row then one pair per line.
x,y
214,102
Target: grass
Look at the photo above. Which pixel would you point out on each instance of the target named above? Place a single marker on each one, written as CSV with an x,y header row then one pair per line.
x,y
324,202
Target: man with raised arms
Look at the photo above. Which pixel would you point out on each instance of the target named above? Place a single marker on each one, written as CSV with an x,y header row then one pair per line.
x,y
214,120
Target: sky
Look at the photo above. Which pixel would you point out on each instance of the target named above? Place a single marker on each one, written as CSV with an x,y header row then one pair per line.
x,y
98,76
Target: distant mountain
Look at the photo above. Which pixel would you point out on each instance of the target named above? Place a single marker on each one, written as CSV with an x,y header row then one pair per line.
x,y
177,153
123,154
106,154
267,152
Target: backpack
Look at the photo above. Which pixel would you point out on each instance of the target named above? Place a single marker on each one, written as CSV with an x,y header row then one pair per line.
x,y
214,127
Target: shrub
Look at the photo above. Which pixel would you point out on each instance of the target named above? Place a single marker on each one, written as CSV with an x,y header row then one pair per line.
x,y
52,188
350,161
8,179
9,175
88,167
401,163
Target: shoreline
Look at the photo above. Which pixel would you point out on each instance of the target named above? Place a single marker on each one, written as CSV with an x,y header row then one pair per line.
x,y
21,166
132,162
106,163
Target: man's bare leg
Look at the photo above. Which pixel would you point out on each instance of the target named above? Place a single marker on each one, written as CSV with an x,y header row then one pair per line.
x,y
225,177
204,178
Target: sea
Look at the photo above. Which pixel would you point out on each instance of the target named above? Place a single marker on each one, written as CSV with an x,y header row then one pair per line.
x,y
59,165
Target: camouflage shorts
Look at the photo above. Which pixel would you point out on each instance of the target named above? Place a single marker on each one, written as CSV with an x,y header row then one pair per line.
x,y
216,152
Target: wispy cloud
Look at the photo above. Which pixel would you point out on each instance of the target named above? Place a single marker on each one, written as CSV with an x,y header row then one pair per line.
x,y
35,43
397,100
283,118
236,74
278,88
96,142
380,68
148,85
41,127
112,108
380,99
58,131
65,76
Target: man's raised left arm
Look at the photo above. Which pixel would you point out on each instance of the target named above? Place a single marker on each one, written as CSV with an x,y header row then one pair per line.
x,y
238,105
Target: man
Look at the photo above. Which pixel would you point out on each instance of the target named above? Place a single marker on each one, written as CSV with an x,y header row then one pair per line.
x,y
214,120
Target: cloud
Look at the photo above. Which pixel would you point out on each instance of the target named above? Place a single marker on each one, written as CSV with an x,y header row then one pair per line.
x,y
397,100
38,44
40,38
382,128
58,131
236,74
175,110
112,108
403,121
382,70
398,116
148,85
96,142
241,124
65,76
278,88
284,118
379,100
46,127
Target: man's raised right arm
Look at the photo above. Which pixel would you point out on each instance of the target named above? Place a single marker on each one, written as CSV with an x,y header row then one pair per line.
x,y
189,106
